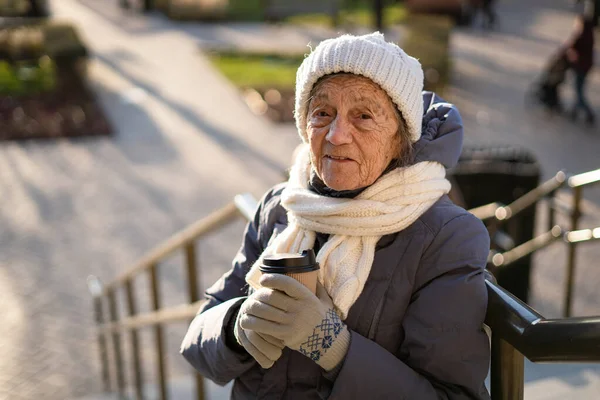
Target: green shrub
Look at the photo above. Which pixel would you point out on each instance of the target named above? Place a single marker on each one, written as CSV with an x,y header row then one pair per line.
x,y
9,81
62,42
245,10
26,78
30,53
10,8
59,41
22,43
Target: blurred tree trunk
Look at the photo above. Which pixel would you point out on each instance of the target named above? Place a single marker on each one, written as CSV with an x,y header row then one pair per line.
x,y
378,15
35,10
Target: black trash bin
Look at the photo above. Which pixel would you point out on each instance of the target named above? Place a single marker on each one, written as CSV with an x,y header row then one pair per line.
x,y
501,174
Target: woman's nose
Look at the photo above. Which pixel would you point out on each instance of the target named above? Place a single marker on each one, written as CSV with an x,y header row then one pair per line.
x,y
339,132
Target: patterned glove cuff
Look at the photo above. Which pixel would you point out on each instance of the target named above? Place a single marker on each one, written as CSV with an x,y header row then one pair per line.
x,y
328,343
337,352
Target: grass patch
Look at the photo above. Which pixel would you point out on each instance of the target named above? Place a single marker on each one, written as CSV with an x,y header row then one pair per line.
x,y
258,70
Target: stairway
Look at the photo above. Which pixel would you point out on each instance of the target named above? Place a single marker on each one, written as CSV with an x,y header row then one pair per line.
x,y
178,389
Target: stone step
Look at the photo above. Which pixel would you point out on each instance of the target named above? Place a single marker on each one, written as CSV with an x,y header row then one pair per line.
x,y
562,381
178,389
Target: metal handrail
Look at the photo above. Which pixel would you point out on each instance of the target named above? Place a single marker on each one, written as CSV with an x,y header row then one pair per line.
x,y
527,248
537,338
585,179
539,242
518,330
583,235
487,211
505,213
531,198
113,327
178,240
179,313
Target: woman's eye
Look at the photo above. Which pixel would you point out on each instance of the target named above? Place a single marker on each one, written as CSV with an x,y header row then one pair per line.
x,y
365,116
322,114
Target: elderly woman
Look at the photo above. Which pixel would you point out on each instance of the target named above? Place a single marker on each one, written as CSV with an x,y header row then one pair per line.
x,y
401,297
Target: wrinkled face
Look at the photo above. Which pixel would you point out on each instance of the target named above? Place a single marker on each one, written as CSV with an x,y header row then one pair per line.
x,y
352,129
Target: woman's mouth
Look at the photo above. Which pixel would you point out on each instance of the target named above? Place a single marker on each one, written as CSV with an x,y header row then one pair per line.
x,y
338,158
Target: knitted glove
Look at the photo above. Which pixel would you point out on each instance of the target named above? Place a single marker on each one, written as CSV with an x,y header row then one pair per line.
x,y
288,311
263,348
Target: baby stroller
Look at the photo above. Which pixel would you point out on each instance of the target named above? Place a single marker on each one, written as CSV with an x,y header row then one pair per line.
x,y
545,90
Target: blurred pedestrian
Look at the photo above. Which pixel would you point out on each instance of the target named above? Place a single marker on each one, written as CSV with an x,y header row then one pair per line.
x,y
546,89
489,13
484,7
580,54
591,8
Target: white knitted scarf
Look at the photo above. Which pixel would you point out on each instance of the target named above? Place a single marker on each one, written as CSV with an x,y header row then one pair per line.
x,y
392,203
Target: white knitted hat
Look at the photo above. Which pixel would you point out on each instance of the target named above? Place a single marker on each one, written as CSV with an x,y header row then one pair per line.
x,y
386,64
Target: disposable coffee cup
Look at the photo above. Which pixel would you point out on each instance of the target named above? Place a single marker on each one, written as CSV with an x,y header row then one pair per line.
x,y
303,267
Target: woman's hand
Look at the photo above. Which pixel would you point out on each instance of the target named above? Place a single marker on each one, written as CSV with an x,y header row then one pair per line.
x,y
286,310
264,349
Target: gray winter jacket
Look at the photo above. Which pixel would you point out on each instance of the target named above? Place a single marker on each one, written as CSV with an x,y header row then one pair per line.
x,y
416,329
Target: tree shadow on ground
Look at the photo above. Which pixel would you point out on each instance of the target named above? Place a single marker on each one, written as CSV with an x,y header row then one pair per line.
x,y
223,138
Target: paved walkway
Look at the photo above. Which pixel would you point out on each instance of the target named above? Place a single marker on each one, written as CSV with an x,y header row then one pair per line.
x,y
185,144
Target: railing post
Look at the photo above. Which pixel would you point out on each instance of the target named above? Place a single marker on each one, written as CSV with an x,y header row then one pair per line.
x,y
551,213
192,278
116,339
135,350
99,316
158,332
507,373
572,252
492,228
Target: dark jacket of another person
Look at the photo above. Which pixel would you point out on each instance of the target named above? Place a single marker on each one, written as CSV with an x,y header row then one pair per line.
x,y
583,44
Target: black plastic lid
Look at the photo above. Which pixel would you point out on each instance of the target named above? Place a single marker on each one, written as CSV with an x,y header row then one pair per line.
x,y
286,263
